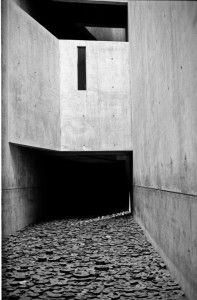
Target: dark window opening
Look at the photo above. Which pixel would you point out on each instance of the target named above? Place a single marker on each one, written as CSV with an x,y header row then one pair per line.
x,y
81,68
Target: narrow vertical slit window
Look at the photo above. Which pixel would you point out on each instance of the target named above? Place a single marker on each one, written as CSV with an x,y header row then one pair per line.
x,y
81,68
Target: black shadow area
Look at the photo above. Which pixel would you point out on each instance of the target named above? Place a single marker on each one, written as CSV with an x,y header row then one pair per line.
x,y
84,188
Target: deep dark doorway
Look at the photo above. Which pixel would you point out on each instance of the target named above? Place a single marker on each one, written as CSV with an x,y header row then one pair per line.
x,y
85,186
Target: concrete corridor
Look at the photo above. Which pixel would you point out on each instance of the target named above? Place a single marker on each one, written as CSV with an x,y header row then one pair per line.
x,y
101,258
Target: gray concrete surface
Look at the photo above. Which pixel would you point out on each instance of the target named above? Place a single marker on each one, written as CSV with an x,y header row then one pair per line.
x,y
99,118
163,46
21,180
34,116
163,43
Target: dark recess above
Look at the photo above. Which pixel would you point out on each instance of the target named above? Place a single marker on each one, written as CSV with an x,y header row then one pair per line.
x,y
68,20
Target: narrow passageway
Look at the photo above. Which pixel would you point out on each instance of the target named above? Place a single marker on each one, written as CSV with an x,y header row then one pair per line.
x,y
101,258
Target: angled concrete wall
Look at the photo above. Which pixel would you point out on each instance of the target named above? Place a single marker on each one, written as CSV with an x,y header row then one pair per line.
x,y
34,116
163,43
99,118
22,190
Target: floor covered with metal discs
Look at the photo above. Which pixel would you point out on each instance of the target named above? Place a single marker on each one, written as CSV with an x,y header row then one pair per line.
x,y
101,258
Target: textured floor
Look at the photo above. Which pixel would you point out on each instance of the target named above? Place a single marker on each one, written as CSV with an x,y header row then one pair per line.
x,y
96,259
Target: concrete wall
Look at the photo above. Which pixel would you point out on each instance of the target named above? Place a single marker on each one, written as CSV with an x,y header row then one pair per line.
x,y
22,192
98,118
163,43
34,117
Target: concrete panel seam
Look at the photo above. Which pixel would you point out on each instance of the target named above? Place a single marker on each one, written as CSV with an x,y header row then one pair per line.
x,y
162,190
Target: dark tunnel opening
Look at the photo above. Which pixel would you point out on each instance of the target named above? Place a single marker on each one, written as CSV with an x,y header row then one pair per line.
x,y
85,187
75,184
